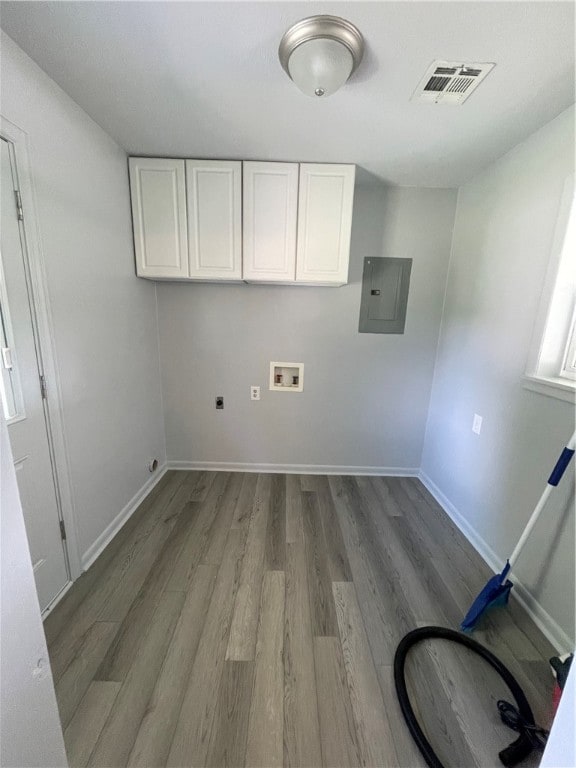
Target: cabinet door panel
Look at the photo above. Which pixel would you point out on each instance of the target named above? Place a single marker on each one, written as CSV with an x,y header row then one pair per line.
x,y
326,197
158,192
270,210
214,190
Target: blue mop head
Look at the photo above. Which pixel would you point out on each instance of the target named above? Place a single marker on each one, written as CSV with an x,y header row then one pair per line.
x,y
496,592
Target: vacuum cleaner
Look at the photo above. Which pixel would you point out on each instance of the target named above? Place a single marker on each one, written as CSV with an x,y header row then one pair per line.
x,y
519,718
496,592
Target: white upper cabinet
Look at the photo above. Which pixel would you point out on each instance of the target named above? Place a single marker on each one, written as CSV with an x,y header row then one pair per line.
x,y
270,203
214,199
158,191
326,197
224,220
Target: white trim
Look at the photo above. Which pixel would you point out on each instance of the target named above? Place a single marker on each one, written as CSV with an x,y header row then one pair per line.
x,y
113,527
568,369
294,469
21,142
547,625
50,607
558,388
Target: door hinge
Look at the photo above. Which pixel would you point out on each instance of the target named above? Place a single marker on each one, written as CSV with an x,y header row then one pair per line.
x,y
62,529
19,209
43,389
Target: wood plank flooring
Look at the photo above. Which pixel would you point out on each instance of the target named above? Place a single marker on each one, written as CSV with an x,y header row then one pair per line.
x,y
251,620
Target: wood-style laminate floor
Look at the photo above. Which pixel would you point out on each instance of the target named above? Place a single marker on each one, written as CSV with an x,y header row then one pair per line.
x,y
251,620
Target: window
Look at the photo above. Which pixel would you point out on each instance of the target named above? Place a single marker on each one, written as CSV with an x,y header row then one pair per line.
x,y
552,362
10,389
569,367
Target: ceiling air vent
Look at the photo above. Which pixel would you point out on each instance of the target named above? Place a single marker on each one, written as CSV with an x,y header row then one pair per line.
x,y
449,82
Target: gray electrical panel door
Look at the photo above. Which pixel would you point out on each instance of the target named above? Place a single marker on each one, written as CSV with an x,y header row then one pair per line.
x,y
385,284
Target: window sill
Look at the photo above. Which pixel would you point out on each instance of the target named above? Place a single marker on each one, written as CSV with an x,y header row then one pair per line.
x,y
561,389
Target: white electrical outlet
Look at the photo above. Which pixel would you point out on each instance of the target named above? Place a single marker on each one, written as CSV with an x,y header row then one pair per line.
x,y
477,424
254,393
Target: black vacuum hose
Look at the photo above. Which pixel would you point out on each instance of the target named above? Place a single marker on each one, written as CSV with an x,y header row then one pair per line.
x,y
517,751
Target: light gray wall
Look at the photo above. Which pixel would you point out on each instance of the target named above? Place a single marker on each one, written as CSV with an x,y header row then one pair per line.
x,y
30,732
502,238
365,396
104,319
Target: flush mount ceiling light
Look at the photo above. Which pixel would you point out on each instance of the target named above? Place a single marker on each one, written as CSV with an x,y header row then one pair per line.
x,y
320,53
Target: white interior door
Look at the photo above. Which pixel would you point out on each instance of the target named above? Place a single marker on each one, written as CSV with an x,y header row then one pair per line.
x,y
22,400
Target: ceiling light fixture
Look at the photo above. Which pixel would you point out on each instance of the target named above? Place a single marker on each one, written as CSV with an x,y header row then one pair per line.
x,y
320,53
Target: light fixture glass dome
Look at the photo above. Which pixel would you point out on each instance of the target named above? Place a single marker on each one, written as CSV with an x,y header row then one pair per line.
x,y
319,67
320,53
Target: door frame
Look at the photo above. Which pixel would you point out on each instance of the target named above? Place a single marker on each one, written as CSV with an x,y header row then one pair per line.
x,y
46,353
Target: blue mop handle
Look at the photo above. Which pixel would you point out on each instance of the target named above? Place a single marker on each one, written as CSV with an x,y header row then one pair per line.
x,y
553,481
561,464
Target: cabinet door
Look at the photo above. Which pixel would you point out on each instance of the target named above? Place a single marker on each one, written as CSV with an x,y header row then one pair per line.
x,y
270,210
158,192
326,196
214,198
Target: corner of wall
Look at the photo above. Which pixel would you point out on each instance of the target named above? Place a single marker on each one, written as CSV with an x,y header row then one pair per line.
x,y
440,329
545,623
165,442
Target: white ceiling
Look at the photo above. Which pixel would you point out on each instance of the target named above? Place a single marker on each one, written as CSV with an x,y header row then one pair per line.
x,y
202,79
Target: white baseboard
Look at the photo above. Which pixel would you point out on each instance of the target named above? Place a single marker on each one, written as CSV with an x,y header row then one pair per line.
x,y
294,469
112,528
50,607
549,628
